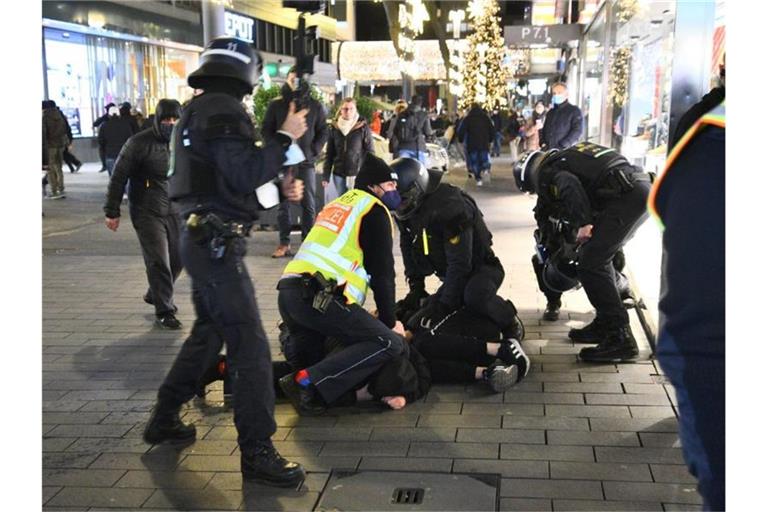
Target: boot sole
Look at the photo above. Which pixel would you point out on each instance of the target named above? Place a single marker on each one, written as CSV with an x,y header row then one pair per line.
x,y
615,359
501,381
274,483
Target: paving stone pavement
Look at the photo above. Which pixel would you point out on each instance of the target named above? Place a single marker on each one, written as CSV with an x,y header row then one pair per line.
x,y
572,436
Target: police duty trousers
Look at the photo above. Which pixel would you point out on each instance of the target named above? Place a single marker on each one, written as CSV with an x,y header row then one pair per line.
x,y
615,225
480,297
305,172
159,239
226,309
368,343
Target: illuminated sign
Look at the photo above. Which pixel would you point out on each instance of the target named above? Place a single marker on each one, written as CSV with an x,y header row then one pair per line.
x,y
239,26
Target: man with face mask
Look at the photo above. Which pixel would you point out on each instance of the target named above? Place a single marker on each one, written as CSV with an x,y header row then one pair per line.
x,y
564,124
143,163
322,291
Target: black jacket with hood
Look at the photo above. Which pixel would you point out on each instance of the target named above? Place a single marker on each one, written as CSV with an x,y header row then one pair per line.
x,y
144,161
311,143
344,153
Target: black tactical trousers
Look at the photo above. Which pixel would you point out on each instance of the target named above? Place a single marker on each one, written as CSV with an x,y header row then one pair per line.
x,y
159,239
368,343
226,310
306,172
453,358
538,269
480,297
614,227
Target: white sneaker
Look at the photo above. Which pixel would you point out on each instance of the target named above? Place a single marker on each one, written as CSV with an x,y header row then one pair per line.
x,y
479,183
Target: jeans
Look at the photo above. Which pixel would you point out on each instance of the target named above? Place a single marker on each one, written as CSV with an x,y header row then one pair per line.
x,y
497,138
308,209
421,156
340,182
110,162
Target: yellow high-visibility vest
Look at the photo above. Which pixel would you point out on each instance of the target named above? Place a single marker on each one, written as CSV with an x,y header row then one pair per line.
x,y
332,246
715,117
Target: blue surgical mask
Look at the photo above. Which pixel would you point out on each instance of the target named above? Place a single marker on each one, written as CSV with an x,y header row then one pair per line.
x,y
558,99
391,199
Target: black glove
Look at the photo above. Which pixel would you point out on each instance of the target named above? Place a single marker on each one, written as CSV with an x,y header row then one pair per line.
x,y
406,307
428,316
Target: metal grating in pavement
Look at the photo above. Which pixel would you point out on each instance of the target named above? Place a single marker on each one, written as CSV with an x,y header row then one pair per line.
x,y
409,491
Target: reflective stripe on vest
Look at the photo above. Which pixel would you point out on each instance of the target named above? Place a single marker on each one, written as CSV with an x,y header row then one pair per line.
x,y
715,117
332,246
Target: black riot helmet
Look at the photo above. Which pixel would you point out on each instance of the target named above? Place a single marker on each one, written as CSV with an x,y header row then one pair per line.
x,y
412,184
526,170
559,273
227,57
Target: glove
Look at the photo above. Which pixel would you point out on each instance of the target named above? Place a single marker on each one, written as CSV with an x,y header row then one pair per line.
x,y
428,316
406,307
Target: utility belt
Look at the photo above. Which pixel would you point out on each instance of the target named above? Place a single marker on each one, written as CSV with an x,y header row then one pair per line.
x,y
618,181
218,234
316,287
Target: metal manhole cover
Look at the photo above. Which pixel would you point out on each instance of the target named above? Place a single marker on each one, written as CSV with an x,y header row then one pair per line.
x,y
404,490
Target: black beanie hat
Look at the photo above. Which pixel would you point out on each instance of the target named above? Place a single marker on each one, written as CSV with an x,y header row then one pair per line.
x,y
48,104
374,170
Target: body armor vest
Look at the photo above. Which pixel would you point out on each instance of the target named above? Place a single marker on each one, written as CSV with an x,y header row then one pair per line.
x,y
589,162
192,170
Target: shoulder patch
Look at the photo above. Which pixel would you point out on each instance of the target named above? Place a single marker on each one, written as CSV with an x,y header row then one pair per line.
x,y
455,240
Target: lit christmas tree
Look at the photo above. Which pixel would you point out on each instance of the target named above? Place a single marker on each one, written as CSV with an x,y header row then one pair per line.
x,y
485,80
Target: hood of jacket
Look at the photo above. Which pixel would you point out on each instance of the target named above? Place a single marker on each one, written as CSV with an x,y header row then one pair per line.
x,y
166,109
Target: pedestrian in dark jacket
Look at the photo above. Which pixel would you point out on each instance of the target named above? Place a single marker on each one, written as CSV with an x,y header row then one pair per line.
x,y
350,139
69,158
513,130
410,130
477,133
564,124
54,141
143,162
125,111
112,135
311,144
96,125
498,136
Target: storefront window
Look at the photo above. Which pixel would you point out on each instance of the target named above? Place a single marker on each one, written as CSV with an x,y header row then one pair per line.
x,y
641,120
68,79
593,76
86,72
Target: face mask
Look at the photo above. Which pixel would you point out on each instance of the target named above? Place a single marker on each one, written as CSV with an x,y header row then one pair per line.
x,y
391,199
558,99
165,131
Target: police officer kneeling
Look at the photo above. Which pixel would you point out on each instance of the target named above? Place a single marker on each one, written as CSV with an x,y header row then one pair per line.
x,y
442,232
323,288
592,188
216,168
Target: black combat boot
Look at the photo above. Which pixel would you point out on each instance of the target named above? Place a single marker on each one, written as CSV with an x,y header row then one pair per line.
x,y
266,466
304,400
617,346
593,332
165,425
552,313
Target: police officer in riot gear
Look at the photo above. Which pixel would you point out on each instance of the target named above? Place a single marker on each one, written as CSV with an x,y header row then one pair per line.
x,y
442,232
600,195
216,168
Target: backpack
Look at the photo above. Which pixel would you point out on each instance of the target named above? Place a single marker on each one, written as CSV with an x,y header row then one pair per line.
x,y
407,129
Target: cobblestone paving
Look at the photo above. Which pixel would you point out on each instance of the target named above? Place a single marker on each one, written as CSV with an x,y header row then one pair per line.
x,y
572,436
